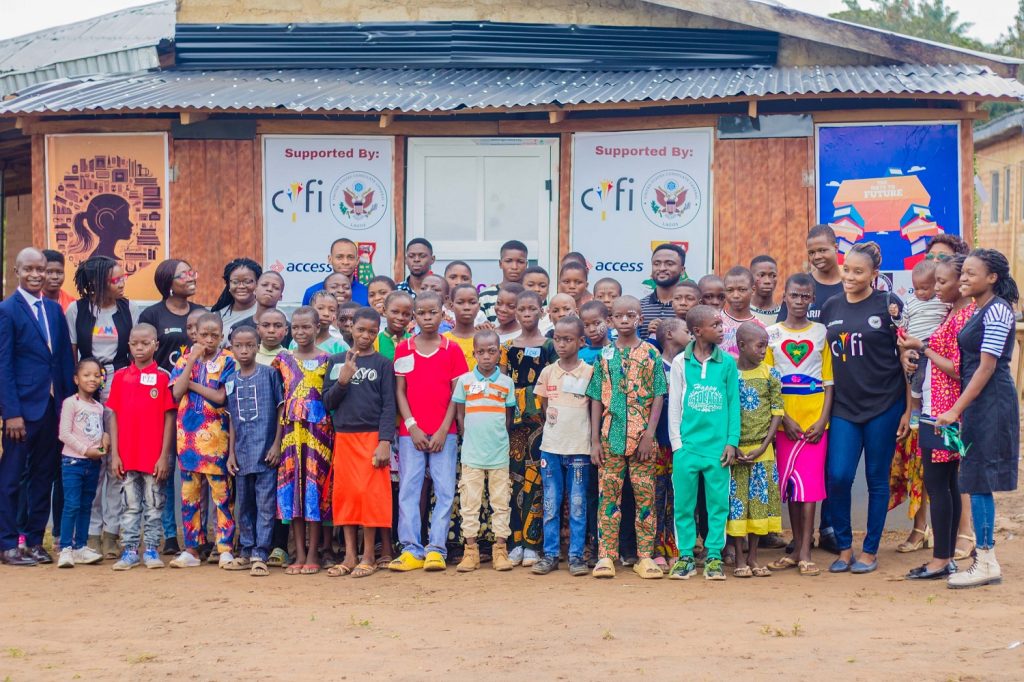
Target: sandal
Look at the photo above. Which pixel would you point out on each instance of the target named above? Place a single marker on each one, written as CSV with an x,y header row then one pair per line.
x,y
338,571
278,558
605,568
742,572
384,561
809,568
363,570
310,569
783,562
961,554
258,569
647,569
907,546
761,572
293,569
240,563
662,563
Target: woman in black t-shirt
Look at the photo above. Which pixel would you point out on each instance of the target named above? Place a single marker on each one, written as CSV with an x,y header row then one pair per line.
x,y
869,407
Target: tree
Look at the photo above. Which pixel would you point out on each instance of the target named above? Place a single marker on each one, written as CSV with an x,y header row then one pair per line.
x,y
1012,42
928,19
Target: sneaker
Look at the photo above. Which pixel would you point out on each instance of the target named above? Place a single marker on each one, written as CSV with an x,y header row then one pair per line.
x,y
516,555
87,556
577,567
224,559
530,557
545,565
713,570
129,559
171,547
682,569
151,559
66,558
185,560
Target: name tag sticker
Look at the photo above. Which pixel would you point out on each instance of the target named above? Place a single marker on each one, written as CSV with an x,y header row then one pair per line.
x,y
229,387
608,352
310,365
147,379
213,366
531,352
336,371
404,365
574,385
476,388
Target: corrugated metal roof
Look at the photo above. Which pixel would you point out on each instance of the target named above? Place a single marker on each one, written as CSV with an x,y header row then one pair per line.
x,y
120,42
414,90
1008,124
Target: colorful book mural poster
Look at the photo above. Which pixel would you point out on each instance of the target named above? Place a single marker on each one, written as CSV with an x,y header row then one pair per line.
x,y
895,184
107,196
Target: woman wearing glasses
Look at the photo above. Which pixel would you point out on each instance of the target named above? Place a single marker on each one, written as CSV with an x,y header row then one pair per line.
x,y
238,299
99,323
176,281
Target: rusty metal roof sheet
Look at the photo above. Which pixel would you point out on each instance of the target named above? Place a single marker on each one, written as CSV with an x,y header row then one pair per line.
x,y
439,89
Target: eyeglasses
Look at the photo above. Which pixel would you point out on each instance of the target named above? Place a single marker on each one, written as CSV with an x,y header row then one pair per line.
x,y
938,256
186,275
242,282
119,280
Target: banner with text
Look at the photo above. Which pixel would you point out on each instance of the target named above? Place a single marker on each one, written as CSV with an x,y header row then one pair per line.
x,y
633,191
318,188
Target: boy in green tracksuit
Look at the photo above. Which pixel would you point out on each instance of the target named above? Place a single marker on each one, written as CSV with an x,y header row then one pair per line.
x,y
704,428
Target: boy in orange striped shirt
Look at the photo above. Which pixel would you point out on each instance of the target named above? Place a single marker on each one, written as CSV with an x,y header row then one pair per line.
x,y
484,402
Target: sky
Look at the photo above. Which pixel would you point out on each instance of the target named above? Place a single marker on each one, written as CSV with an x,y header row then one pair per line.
x,y
990,17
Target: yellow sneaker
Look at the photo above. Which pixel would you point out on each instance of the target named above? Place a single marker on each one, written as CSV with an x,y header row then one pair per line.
x,y
406,561
434,562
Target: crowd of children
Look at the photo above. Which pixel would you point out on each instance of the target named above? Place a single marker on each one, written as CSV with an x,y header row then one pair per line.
x,y
514,425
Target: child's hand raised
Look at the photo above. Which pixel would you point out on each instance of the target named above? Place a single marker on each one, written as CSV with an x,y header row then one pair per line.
x,y
348,370
382,455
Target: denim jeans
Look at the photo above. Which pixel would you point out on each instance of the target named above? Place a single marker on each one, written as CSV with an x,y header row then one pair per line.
x,y
168,519
255,506
78,476
876,438
983,516
412,466
143,504
565,476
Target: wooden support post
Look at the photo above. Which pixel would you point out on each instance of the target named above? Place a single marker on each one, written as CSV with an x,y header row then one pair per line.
x,y
190,117
386,119
398,178
556,117
564,195
752,108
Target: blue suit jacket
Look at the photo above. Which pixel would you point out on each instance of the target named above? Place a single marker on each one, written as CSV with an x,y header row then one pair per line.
x,y
28,367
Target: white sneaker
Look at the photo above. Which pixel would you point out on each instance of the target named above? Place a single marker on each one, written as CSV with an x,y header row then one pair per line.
x,y
984,571
530,557
185,560
225,559
86,555
66,558
516,555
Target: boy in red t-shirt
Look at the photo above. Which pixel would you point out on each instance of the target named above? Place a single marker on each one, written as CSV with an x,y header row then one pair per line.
x,y
426,369
141,427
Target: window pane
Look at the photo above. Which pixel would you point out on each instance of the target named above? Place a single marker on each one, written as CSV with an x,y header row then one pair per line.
x,y
451,195
512,187
994,216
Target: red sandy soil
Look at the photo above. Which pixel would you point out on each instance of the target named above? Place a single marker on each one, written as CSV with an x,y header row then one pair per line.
x,y
206,624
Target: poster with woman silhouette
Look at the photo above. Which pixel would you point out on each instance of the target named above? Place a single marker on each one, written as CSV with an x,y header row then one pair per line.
x,y
107,196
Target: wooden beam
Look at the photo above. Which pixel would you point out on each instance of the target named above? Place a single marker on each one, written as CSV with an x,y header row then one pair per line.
x,y
100,125
969,105
39,198
386,119
610,124
967,183
21,123
564,196
556,117
752,108
370,127
869,115
190,117
398,180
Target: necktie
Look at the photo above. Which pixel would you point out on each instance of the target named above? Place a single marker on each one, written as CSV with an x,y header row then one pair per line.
x,y
41,321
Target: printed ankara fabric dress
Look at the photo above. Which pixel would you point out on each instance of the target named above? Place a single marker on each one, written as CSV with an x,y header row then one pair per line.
x,y
754,500
303,489
524,366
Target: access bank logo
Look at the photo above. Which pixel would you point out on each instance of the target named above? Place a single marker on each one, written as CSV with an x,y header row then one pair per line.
x,y
671,199
315,267
358,200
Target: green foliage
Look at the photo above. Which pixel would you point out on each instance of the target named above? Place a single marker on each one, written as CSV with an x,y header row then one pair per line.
x,y
928,19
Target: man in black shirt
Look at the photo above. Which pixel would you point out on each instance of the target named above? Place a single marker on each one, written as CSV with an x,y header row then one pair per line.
x,y
668,267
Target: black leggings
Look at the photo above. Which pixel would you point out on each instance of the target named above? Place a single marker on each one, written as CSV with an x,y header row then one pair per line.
x,y
940,480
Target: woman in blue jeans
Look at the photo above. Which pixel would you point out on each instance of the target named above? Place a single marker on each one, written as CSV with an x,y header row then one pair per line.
x,y
987,405
869,410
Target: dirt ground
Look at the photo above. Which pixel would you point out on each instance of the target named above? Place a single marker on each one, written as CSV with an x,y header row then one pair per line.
x,y
206,624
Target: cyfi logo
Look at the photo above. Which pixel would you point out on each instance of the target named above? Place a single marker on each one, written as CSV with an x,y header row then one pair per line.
x,y
301,196
599,196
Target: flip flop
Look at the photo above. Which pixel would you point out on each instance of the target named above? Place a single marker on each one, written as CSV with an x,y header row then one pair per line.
x,y
384,561
809,568
363,570
782,563
258,569
761,572
240,563
310,569
293,569
742,572
338,571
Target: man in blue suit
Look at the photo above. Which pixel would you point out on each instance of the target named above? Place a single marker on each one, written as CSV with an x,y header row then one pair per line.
x,y
36,375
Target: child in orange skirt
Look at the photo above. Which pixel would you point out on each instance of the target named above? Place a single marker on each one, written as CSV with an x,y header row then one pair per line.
x,y
359,392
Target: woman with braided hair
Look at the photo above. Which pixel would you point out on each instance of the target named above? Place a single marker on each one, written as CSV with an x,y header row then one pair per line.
x,y
987,405
238,299
100,323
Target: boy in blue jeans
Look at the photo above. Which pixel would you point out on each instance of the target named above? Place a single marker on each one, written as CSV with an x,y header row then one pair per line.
x,y
565,466
704,428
